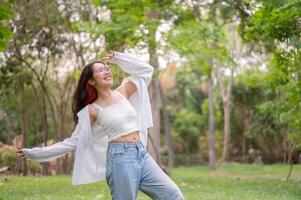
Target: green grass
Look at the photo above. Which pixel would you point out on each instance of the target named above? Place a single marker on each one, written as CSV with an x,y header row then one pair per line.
x,y
227,182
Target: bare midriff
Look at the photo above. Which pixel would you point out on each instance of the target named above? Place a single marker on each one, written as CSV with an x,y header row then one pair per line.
x,y
132,137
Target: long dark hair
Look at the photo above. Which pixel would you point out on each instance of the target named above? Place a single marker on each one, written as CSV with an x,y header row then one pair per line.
x,y
84,93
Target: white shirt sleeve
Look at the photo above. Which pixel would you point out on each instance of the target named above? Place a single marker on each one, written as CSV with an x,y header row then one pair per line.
x,y
48,153
133,66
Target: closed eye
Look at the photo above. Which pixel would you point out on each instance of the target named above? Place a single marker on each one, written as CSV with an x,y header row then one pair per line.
x,y
102,68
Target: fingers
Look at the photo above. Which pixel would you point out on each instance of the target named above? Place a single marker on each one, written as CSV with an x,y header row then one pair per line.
x,y
19,151
20,157
107,59
112,54
21,154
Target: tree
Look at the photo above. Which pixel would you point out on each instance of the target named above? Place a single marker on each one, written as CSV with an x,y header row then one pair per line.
x,y
191,33
43,46
276,24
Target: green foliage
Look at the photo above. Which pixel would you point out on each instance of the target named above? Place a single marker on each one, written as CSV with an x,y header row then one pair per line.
x,y
131,21
190,120
34,167
203,145
193,40
253,116
186,111
11,94
276,24
276,21
6,13
75,74
187,126
217,112
188,92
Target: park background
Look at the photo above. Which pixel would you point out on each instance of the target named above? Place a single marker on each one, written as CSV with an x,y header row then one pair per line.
x,y
225,95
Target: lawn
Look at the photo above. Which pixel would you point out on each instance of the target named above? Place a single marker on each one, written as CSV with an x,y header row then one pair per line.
x,y
227,182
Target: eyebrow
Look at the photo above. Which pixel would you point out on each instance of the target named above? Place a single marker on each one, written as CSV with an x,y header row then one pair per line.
x,y
103,67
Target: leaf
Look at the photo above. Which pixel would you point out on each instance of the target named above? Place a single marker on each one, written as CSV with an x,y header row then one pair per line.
x,y
5,33
3,45
6,12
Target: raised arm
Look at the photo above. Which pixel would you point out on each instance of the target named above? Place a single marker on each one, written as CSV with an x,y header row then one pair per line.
x,y
135,67
48,153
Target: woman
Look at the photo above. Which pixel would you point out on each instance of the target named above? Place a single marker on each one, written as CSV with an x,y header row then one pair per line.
x,y
111,133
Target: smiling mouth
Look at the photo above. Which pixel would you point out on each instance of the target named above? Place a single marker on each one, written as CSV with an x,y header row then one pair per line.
x,y
107,77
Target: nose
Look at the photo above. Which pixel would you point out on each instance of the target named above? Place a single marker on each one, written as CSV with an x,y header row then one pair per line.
x,y
107,72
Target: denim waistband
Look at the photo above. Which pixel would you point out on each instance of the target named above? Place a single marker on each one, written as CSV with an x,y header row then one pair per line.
x,y
125,144
138,145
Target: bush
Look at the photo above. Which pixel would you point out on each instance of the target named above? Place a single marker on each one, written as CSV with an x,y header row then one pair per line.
x,y
34,167
8,156
185,160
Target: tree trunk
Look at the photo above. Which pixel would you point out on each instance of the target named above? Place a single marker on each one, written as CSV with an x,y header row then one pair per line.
x,y
243,146
226,93
285,149
226,130
244,142
154,144
212,159
59,135
46,165
167,128
65,93
290,162
226,96
24,128
90,10
21,165
154,147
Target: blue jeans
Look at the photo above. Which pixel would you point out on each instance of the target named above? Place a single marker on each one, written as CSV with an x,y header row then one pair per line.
x,y
130,167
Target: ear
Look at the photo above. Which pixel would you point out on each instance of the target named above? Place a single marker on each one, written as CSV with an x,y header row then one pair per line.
x,y
91,82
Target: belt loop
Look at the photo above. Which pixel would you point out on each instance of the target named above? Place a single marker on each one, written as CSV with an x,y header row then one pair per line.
x,y
126,146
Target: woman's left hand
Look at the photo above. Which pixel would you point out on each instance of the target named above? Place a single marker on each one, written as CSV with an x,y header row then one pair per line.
x,y
108,58
20,153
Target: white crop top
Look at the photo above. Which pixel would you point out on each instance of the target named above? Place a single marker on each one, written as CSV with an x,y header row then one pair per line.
x,y
118,119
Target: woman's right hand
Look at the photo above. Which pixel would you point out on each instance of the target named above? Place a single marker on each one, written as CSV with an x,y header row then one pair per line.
x,y
20,153
107,59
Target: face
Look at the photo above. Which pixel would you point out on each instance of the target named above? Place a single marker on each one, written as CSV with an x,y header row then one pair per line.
x,y
102,76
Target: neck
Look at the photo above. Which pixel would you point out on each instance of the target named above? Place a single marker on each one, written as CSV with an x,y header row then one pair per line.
x,y
104,94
